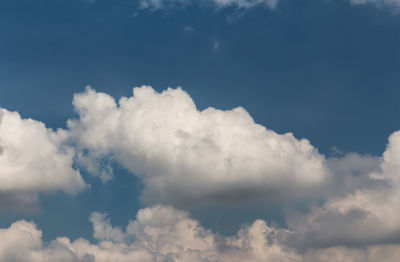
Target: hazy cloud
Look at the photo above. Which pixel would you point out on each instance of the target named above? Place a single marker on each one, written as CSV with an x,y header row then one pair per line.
x,y
247,4
389,3
215,45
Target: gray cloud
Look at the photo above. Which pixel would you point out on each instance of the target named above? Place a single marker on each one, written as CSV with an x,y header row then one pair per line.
x,y
367,215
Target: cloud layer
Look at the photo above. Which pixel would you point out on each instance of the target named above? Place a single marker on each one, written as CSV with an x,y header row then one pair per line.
x,y
158,234
33,159
186,155
162,233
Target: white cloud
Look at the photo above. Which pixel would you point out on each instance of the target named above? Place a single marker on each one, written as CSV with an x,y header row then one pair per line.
x,y
33,159
165,234
158,234
186,156
241,4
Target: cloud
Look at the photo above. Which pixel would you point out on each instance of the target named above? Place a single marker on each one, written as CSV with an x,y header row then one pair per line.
x,y
162,233
246,4
102,230
158,234
389,3
215,45
33,159
368,215
241,4
188,29
350,173
184,155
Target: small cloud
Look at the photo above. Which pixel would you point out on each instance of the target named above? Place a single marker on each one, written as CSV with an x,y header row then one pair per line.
x,y
134,14
336,151
215,45
188,29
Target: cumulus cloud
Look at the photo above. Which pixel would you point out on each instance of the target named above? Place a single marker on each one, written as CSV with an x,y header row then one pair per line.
x,y
102,229
33,159
158,234
162,233
187,156
184,155
368,215
241,4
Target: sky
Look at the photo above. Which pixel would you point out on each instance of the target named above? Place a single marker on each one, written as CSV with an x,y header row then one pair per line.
x,y
209,130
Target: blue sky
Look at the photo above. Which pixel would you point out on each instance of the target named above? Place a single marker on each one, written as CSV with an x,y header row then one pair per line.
x,y
302,65
326,71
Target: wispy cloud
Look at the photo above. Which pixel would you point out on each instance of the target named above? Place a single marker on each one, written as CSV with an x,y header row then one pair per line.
x,y
241,4
381,3
215,45
247,4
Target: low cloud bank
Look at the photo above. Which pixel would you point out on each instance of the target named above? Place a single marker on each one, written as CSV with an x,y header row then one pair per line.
x,y
161,233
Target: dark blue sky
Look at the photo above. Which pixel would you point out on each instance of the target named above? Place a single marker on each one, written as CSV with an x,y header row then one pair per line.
x,y
324,70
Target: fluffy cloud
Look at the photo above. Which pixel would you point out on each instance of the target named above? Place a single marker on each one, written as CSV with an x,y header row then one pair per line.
x,y
184,155
165,234
367,216
158,234
242,4
33,159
